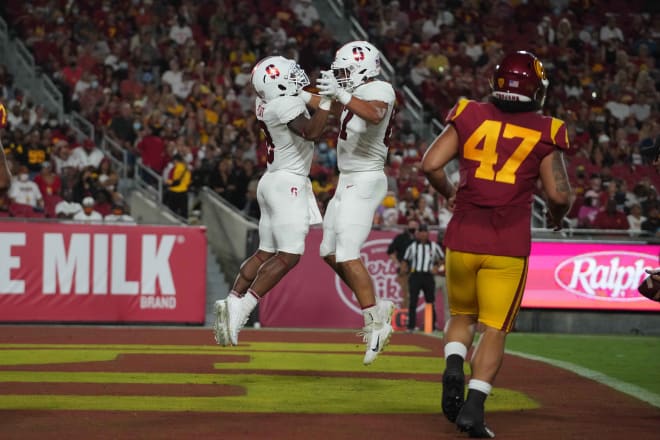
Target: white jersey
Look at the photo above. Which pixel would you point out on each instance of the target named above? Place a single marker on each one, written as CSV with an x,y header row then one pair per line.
x,y
286,150
362,146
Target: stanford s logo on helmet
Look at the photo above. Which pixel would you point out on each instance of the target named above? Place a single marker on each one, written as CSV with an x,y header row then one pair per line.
x,y
277,76
358,54
355,63
520,78
272,71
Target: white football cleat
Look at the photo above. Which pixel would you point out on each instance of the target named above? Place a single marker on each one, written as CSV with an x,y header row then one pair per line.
x,y
378,330
238,312
221,324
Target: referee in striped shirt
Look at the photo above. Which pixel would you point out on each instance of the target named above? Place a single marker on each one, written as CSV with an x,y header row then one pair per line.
x,y
423,257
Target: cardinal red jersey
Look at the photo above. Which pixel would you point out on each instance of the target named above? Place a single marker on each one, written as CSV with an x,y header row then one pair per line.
x,y
499,159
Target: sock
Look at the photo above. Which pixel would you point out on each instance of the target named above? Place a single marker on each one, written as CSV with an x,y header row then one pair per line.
x,y
369,314
455,348
235,293
251,299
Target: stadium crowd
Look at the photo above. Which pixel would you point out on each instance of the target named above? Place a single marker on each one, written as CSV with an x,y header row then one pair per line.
x,y
170,82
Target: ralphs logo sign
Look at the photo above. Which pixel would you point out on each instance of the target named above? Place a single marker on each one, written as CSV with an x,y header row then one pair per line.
x,y
605,275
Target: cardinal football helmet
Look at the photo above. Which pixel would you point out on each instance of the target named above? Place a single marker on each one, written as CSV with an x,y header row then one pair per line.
x,y
520,77
277,76
354,63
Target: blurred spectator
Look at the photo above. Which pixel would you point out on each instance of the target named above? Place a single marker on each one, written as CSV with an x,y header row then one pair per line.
x,y
223,180
610,31
14,116
544,30
635,219
422,212
444,214
652,223
473,49
276,34
436,61
432,26
118,215
48,182
107,176
178,181
66,210
387,214
88,154
589,210
35,153
180,32
24,191
121,126
306,12
88,214
610,217
251,208
152,150
243,77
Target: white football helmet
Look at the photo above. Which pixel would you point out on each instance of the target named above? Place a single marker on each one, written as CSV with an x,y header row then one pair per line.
x,y
277,76
354,63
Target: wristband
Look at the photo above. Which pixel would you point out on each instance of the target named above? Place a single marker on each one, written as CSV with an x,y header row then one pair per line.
x,y
343,96
305,95
325,103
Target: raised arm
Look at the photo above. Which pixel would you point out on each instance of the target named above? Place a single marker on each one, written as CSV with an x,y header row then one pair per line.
x,y
312,128
371,111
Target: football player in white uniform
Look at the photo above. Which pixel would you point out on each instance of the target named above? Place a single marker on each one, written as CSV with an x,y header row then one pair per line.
x,y
284,192
366,108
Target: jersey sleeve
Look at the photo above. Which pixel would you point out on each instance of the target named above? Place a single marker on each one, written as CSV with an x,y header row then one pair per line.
x,y
376,91
559,134
456,111
288,108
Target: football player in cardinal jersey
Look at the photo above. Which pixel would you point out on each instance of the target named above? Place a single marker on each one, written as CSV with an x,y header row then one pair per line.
x,y
503,147
284,192
366,109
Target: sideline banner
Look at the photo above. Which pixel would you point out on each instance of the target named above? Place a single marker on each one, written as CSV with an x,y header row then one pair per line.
x,y
594,276
561,275
102,273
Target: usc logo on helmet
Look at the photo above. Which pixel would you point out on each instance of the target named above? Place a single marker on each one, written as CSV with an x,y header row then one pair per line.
x,y
272,71
538,67
358,53
3,115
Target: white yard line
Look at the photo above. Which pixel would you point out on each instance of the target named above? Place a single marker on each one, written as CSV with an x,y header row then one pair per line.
x,y
624,387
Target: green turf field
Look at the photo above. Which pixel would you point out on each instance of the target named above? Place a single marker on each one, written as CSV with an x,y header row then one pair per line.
x,y
631,359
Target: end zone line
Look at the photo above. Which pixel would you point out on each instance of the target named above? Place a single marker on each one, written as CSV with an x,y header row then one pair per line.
x,y
624,387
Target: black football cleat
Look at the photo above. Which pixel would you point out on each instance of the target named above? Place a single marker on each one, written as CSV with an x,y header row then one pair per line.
x,y
470,419
453,393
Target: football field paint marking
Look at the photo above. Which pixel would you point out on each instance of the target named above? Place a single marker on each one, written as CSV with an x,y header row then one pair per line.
x,y
619,385
264,389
